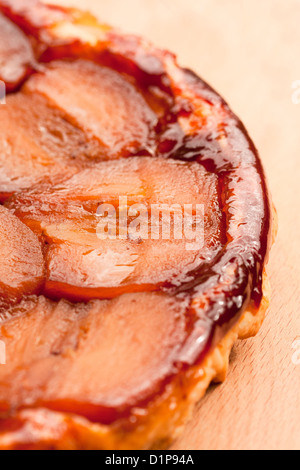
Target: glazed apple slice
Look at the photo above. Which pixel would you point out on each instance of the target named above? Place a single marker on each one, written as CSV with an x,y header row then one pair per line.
x,y
16,55
22,262
38,144
67,117
96,250
99,101
94,360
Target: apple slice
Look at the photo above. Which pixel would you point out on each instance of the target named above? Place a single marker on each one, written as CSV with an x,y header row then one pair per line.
x,y
66,118
94,360
89,256
16,55
38,144
22,262
99,101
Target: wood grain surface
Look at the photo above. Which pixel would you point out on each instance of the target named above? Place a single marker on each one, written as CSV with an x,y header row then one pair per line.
x,y
249,51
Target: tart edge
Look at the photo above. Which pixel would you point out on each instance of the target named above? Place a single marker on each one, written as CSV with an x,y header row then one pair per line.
x,y
157,426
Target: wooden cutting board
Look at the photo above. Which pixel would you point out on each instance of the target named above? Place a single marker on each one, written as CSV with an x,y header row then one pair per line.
x,y
249,51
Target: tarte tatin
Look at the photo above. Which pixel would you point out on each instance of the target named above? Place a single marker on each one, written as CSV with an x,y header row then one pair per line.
x,y
111,339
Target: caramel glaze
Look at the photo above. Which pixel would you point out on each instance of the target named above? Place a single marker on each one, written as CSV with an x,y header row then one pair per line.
x,y
196,125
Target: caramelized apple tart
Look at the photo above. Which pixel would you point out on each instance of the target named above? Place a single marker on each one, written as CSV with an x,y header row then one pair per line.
x,y
112,335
